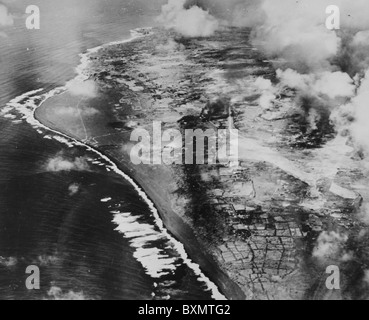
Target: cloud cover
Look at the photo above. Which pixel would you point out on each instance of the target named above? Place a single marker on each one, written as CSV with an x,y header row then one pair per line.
x,y
190,22
61,163
329,65
85,89
330,246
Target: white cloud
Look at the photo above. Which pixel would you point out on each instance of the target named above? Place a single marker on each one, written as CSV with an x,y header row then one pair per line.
x,y
268,92
329,246
313,60
353,116
61,163
332,84
86,89
192,22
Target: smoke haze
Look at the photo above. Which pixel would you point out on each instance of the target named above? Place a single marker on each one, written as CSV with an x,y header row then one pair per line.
x,y
192,22
331,65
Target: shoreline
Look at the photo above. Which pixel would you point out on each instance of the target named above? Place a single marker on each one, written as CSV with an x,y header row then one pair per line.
x,y
219,260
230,263
253,235
174,224
29,104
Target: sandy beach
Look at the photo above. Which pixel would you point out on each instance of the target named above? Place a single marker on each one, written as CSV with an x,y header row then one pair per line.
x,y
158,182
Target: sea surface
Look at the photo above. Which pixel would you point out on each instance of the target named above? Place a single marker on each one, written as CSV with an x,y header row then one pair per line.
x,y
64,207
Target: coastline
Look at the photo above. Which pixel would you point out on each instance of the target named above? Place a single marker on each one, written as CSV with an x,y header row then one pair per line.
x,y
162,191
267,219
172,222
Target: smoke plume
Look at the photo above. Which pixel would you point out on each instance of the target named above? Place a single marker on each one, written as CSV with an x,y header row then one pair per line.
x,y
329,246
329,66
191,22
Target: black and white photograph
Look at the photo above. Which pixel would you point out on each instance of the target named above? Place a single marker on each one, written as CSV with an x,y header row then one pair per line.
x,y
184,150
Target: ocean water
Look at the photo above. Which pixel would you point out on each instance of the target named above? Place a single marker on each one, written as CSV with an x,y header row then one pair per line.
x,y
65,207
